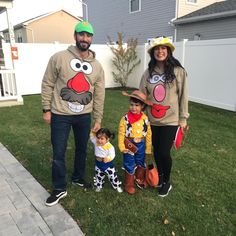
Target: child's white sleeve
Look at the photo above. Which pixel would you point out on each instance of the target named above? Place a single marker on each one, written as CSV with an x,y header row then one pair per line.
x,y
93,139
112,153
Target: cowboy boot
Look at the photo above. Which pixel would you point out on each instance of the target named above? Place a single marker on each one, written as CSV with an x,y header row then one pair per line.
x,y
140,174
129,183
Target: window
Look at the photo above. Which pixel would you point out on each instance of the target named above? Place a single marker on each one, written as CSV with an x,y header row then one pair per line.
x,y
134,5
19,38
7,38
191,1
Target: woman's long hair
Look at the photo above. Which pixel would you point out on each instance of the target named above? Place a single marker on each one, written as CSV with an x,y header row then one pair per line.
x,y
170,63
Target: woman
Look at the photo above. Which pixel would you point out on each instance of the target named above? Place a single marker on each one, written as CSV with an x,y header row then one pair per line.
x,y
165,84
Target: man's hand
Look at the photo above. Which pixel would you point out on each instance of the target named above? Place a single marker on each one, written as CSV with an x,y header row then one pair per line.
x,y
47,117
96,127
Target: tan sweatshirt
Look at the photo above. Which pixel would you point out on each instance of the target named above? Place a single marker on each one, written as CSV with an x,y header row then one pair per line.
x,y
170,101
73,86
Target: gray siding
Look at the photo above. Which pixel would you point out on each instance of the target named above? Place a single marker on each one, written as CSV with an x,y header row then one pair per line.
x,y
111,16
213,29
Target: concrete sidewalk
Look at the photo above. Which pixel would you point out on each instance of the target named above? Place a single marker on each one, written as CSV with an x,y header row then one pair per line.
x,y
22,204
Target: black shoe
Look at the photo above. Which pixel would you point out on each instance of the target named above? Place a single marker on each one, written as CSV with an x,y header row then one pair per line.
x,y
55,197
164,191
82,183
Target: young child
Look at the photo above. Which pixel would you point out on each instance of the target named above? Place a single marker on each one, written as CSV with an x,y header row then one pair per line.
x,y
104,154
134,127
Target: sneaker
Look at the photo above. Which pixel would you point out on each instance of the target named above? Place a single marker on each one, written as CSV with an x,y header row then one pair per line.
x,y
159,187
119,190
55,197
160,182
164,191
82,183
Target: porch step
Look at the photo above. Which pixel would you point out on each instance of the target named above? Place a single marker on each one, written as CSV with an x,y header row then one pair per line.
x,y
10,103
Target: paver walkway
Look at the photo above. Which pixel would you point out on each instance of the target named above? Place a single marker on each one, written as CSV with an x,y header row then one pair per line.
x,y
22,204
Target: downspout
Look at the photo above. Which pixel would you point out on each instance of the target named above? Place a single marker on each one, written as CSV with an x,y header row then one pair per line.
x,y
176,16
11,34
173,19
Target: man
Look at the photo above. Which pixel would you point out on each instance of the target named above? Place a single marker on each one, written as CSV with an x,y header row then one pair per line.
x,y
73,87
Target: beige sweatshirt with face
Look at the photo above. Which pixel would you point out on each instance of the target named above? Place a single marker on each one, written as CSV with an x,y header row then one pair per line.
x,y
73,86
170,100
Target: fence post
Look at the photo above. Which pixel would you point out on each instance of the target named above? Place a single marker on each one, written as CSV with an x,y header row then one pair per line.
x,y
183,51
145,56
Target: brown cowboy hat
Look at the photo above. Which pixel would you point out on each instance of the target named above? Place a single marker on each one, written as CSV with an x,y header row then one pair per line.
x,y
138,95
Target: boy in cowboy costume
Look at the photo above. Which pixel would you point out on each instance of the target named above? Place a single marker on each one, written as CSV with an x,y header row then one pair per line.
x,y
134,127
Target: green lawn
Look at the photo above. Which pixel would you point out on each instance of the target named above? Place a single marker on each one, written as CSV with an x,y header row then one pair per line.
x,y
203,199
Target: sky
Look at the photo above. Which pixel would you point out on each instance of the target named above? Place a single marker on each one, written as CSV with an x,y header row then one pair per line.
x,y
26,9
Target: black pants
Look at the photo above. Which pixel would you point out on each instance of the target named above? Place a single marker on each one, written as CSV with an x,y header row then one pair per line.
x,y
162,141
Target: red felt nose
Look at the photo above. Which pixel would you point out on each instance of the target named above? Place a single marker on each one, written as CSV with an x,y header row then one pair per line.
x,y
78,83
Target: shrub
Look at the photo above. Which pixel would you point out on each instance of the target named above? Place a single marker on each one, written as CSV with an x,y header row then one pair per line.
x,y
125,58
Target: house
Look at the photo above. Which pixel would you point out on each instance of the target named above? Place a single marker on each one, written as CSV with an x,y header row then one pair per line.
x,y
141,19
216,21
8,90
52,27
3,7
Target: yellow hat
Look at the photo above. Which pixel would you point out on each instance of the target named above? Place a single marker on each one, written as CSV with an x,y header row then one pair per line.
x,y
161,41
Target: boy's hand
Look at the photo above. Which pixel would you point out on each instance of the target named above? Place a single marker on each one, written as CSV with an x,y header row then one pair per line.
x,y
128,151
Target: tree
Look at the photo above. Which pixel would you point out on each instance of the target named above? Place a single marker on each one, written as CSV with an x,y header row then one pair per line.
x,y
125,58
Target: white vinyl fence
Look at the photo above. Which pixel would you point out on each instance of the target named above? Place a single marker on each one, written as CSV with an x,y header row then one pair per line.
x,y
210,65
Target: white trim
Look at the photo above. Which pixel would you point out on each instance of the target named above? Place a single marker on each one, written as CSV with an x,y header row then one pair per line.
x,y
204,17
47,14
138,6
192,3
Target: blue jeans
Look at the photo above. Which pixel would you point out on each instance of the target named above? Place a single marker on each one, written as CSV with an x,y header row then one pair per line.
x,y
60,129
130,161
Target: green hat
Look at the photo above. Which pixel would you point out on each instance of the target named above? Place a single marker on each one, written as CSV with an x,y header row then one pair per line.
x,y
84,26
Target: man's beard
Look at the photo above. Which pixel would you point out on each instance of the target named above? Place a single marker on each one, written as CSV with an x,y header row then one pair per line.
x,y
82,48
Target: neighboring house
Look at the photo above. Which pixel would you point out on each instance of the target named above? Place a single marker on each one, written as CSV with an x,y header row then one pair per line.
x,y
216,21
141,19
53,27
5,4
